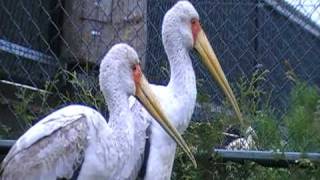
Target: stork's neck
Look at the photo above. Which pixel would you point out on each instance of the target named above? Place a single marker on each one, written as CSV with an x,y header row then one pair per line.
x,y
120,117
182,79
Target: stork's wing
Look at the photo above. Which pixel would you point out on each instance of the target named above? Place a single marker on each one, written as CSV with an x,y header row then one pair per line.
x,y
52,148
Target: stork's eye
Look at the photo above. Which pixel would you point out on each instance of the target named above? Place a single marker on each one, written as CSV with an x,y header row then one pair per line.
x,y
134,67
193,21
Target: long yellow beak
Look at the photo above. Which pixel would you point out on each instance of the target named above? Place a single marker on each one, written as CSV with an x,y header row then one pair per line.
x,y
147,98
210,59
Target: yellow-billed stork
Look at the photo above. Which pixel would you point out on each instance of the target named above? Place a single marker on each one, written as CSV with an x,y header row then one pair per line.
x,y
78,135
181,32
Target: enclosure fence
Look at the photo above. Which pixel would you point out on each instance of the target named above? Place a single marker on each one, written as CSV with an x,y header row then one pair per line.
x,y
50,50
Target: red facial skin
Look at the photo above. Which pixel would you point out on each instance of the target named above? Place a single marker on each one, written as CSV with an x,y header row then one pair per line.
x,y
137,74
195,28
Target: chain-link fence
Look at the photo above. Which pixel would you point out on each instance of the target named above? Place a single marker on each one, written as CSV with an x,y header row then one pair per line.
x,y
246,36
50,50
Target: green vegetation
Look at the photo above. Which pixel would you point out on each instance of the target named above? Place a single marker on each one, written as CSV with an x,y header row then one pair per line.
x,y
29,106
303,118
296,130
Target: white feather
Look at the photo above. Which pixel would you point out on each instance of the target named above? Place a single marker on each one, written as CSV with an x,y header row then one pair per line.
x,y
57,145
179,96
54,147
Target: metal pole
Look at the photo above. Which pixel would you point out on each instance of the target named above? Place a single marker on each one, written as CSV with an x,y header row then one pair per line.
x,y
266,158
5,146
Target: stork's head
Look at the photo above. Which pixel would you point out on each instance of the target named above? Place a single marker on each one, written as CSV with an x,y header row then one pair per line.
x,y
181,27
116,70
120,74
178,23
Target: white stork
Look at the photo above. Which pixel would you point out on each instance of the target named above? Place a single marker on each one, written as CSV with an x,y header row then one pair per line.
x,y
58,144
234,140
181,32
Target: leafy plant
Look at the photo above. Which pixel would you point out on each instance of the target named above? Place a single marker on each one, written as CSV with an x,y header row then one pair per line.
x,y
32,105
302,118
84,91
300,124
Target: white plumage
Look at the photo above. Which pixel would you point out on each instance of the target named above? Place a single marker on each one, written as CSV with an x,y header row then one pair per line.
x,y
178,97
57,145
181,31
235,141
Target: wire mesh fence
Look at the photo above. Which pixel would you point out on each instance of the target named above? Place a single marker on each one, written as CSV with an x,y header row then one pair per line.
x,y
50,51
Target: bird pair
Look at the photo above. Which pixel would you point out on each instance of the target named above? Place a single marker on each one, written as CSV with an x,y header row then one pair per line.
x,y
77,135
